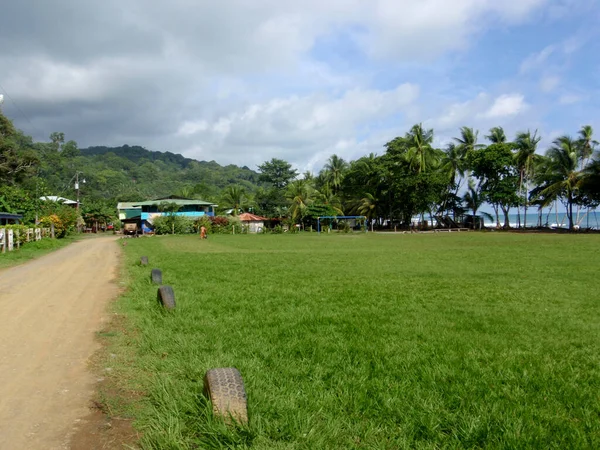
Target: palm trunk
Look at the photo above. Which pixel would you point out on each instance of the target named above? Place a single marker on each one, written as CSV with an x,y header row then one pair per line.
x,y
570,211
505,210
495,206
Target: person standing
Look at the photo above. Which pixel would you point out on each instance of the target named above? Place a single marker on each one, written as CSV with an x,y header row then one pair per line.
x,y
202,232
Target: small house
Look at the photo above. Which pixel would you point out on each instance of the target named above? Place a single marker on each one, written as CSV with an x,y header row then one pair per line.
x,y
9,219
187,208
254,223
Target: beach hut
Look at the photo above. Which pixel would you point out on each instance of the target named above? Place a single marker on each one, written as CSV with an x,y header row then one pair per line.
x,y
254,223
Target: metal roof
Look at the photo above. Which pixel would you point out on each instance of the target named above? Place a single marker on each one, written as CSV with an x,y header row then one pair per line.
x,y
4,215
56,198
247,217
127,205
177,201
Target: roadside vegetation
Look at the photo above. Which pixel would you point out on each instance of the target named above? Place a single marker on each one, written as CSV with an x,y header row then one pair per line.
x,y
464,340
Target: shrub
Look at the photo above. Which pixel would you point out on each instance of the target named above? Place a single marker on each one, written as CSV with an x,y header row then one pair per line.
x,y
169,224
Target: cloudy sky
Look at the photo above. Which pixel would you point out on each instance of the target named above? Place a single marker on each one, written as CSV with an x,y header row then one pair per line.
x,y
243,81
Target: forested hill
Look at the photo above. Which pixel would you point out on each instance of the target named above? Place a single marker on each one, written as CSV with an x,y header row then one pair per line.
x,y
134,172
136,153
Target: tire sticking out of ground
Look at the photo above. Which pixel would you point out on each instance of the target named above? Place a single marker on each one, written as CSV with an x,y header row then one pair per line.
x,y
225,389
144,260
156,276
166,297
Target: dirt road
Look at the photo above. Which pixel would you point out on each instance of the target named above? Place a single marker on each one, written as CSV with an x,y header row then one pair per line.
x,y
50,309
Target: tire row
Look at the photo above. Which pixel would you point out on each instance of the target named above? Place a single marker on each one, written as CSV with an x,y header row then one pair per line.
x,y
223,386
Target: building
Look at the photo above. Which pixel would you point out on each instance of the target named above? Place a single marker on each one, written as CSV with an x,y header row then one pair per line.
x,y
126,210
9,219
187,208
56,198
254,223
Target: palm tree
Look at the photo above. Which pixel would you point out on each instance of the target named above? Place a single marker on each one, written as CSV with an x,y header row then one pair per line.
x,y
474,200
562,177
419,151
467,142
453,165
335,170
299,193
234,197
525,158
368,207
586,144
496,136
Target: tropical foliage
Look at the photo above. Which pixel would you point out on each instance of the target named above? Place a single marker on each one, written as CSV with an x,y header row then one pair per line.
x,y
412,178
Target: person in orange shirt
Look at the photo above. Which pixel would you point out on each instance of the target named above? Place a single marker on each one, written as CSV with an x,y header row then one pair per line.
x,y
202,232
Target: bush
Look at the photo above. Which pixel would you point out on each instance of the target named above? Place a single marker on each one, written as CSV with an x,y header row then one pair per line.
x,y
168,224
63,217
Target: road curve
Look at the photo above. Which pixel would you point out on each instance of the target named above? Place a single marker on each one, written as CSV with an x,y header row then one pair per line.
x,y
50,310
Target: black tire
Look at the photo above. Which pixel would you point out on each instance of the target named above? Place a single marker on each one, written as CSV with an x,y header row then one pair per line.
x,y
144,260
166,297
225,389
156,276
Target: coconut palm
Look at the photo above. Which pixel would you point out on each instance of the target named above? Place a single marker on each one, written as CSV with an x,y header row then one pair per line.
x,y
474,200
234,197
420,154
368,207
335,170
562,177
496,136
299,193
525,158
586,144
467,142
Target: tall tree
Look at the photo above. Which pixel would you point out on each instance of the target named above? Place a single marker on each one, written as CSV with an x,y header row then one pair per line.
x,y
234,197
562,176
420,153
277,172
526,145
467,142
496,136
335,170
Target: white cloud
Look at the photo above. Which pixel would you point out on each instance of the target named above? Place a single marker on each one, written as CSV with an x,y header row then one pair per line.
x,y
549,83
536,60
505,106
570,99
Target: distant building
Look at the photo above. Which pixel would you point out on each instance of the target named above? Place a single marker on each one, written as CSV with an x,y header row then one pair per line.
x,y
57,199
126,210
187,208
254,223
9,219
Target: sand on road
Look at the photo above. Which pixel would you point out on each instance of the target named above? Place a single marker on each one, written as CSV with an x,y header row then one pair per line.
x,y
50,311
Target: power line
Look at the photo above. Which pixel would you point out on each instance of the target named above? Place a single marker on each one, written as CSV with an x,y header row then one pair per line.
x,y
20,110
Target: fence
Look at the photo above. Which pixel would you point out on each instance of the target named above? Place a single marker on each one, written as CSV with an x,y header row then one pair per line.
x,y
13,238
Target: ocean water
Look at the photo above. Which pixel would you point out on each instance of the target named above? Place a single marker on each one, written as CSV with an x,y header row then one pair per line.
x,y
549,219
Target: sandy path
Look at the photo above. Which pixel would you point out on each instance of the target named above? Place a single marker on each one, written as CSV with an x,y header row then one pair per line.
x,y
50,310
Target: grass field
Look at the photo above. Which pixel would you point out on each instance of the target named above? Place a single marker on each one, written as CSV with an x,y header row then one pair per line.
x,y
372,341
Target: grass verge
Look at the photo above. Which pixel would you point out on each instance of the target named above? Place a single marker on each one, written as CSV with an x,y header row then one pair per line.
x,y
417,341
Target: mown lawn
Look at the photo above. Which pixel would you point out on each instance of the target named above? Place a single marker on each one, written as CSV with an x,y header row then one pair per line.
x,y
462,340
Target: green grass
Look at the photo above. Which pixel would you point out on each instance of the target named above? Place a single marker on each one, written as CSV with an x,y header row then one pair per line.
x,y
32,250
378,342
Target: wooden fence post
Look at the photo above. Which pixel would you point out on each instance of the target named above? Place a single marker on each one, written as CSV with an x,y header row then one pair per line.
x,y
52,230
18,240
3,239
10,240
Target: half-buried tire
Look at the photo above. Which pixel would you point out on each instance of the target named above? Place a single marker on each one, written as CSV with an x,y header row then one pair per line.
x,y
144,260
166,297
156,276
225,389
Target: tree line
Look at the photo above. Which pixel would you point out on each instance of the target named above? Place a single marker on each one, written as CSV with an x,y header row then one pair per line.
x,y
414,178
411,178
